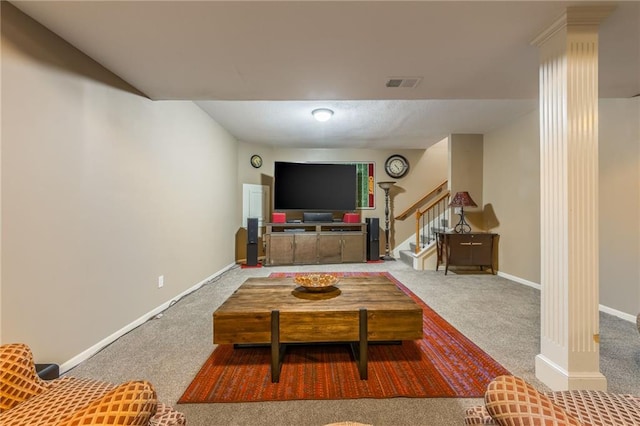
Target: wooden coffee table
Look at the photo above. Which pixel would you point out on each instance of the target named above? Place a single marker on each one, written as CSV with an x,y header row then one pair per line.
x,y
276,312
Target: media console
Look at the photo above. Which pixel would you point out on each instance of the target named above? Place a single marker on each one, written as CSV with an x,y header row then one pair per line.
x,y
314,243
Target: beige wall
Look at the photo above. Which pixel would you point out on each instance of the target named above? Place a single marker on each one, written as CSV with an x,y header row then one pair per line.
x,y
465,174
512,195
511,172
428,169
103,191
619,160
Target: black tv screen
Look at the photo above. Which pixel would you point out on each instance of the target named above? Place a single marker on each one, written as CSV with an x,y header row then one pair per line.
x,y
314,186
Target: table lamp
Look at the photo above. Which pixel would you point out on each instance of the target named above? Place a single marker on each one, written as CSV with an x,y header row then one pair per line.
x,y
462,200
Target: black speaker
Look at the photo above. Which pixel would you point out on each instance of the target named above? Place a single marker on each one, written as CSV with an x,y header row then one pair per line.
x,y
373,238
252,255
252,242
252,230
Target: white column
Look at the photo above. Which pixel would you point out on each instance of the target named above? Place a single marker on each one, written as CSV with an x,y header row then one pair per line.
x,y
569,345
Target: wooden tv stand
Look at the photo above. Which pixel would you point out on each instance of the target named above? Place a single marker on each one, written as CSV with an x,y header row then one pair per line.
x,y
314,243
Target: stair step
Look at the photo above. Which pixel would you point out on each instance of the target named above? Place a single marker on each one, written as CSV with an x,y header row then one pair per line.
x,y
406,257
413,246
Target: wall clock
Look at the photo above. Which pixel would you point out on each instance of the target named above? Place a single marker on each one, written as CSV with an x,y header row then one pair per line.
x,y
396,166
256,161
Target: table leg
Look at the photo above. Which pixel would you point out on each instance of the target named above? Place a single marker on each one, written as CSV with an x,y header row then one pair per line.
x,y
278,349
364,343
275,347
439,241
447,254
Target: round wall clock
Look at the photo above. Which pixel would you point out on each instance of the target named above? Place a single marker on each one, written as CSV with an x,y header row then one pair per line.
x,y
256,161
396,166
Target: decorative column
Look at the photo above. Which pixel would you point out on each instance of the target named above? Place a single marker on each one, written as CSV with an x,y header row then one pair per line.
x,y
569,343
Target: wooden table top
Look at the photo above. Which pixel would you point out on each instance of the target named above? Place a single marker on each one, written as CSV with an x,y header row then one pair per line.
x,y
282,294
245,317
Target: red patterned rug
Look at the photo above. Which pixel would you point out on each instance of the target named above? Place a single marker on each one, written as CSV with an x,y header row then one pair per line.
x,y
444,363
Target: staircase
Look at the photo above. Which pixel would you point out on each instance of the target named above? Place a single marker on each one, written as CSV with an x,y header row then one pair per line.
x,y
413,257
431,213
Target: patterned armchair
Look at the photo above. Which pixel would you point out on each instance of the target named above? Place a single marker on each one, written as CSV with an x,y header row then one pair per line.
x,y
511,401
25,399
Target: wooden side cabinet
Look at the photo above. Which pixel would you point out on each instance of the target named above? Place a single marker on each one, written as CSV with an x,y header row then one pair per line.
x,y
469,249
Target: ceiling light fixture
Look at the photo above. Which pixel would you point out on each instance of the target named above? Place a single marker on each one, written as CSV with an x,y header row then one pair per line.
x,y
322,114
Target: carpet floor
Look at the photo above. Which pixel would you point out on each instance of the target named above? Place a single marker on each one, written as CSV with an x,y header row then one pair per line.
x,y
444,363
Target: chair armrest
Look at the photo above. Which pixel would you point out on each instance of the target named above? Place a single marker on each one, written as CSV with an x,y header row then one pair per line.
x,y
167,416
478,415
131,403
512,401
18,378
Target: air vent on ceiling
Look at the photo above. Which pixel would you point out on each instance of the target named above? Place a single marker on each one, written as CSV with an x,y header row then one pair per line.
x,y
406,82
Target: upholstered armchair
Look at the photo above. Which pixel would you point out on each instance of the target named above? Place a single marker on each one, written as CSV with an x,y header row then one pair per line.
x,y
25,399
511,401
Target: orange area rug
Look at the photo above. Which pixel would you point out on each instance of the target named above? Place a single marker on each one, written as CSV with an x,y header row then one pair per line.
x,y
444,363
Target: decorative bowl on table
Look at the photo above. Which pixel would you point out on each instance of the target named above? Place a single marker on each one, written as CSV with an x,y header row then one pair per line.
x,y
317,282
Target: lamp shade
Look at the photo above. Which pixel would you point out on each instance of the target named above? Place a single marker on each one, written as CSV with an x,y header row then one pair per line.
x,y
386,185
462,199
322,114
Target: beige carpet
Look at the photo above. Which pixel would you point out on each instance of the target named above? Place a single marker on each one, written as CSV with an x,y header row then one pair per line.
x,y
500,316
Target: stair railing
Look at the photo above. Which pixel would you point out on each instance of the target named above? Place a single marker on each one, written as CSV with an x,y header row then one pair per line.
x,y
431,219
432,214
416,206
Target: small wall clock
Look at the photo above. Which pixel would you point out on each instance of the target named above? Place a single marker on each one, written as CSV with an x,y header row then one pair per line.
x,y
396,166
256,161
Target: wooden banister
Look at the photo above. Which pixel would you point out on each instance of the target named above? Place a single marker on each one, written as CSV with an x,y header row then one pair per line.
x,y
436,197
435,201
415,206
444,196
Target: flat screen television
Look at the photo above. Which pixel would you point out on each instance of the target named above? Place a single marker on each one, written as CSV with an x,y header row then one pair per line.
x,y
314,186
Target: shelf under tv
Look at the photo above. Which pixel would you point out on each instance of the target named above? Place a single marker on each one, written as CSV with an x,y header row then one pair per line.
x,y
314,243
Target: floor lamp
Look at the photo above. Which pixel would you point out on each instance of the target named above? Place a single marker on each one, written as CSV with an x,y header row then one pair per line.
x,y
386,186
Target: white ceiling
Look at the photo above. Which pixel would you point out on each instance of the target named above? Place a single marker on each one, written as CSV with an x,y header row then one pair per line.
x,y
259,68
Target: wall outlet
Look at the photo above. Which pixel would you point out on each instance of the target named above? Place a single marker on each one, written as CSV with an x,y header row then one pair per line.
x,y
160,281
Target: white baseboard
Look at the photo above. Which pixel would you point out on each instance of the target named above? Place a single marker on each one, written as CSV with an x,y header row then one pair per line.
x,y
617,313
558,378
83,356
605,309
519,280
